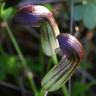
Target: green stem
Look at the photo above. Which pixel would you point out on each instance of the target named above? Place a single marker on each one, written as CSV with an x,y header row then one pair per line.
x,y
65,91
15,45
54,58
31,81
42,93
24,63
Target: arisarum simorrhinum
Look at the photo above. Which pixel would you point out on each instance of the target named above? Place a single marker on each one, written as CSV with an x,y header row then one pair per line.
x,y
71,48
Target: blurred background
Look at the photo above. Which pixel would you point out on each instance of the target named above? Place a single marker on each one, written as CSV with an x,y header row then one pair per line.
x,y
82,16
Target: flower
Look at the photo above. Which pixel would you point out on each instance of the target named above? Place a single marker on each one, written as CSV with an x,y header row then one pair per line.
x,y
72,54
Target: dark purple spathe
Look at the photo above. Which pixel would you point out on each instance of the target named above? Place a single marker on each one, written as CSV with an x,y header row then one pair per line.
x,y
70,45
25,18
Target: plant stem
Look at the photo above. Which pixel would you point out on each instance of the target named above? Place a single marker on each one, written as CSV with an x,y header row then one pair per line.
x,y
24,63
65,91
42,93
15,45
31,82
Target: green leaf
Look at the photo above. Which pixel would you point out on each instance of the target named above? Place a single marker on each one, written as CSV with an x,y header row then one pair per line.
x,y
6,13
89,17
92,1
86,13
78,12
8,64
